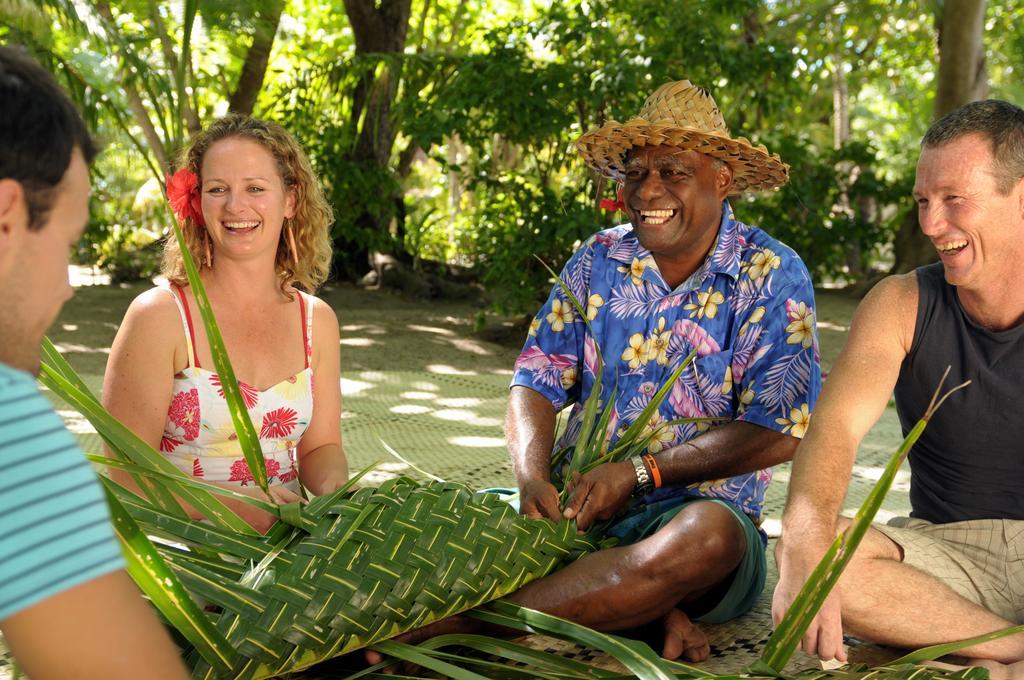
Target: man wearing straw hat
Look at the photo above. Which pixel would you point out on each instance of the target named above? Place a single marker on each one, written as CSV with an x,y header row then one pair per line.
x,y
67,607
956,561
685,275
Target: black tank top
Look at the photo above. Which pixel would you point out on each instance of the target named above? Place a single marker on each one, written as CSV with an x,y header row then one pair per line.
x,y
969,463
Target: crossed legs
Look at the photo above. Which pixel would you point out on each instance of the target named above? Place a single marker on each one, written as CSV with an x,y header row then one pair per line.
x,y
890,602
691,558
655,578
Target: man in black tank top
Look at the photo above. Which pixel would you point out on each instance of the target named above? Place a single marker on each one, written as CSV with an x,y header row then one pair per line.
x,y
959,558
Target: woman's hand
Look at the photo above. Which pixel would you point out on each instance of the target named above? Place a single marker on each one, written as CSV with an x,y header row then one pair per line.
x,y
260,520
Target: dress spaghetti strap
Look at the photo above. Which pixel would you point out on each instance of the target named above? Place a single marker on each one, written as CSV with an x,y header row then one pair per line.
x,y
306,310
186,321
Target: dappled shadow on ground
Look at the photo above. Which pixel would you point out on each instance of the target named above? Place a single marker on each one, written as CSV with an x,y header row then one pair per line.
x,y
87,324
418,382
380,331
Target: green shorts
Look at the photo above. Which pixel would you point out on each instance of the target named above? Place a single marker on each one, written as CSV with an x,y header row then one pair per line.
x,y
748,581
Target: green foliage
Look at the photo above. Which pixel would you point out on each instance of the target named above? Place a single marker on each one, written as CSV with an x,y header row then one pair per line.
x,y
513,224
125,233
806,214
490,96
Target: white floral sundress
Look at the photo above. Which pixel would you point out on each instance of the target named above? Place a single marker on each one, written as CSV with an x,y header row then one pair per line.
x,y
199,437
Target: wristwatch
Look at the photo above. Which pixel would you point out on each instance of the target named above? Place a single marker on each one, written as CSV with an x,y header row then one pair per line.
x,y
644,484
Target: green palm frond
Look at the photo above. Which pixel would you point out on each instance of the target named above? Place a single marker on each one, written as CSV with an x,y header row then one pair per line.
x,y
348,570
248,440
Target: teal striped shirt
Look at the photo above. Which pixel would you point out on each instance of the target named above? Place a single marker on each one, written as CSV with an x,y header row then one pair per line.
x,y
55,530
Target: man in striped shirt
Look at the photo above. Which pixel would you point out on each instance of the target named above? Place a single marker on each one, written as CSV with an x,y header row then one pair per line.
x,y
67,607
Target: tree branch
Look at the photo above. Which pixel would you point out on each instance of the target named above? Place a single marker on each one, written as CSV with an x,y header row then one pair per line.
x,y
254,69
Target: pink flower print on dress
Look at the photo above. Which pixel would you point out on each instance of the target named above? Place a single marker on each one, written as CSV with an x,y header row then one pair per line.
x,y
167,444
240,472
197,468
250,395
288,475
278,423
184,413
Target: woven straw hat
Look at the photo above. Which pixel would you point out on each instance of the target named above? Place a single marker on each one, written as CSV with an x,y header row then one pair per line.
x,y
684,115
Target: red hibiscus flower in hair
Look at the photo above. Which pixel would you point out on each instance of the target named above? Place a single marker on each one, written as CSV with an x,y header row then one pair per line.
x,y
183,194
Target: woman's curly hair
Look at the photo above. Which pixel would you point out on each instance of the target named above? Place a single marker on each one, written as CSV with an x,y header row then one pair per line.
x,y
313,216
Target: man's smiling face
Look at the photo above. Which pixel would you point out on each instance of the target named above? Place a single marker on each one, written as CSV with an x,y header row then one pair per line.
x,y
674,199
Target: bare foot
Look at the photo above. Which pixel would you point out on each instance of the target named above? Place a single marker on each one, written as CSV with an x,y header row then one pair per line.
x,y
683,638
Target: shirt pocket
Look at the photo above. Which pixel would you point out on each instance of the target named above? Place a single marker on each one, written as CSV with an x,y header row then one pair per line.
x,y
710,378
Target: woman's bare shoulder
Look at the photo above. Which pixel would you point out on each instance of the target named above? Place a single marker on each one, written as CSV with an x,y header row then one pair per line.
x,y
152,310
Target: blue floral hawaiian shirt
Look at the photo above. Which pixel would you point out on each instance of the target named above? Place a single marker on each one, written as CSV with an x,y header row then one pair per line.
x,y
748,311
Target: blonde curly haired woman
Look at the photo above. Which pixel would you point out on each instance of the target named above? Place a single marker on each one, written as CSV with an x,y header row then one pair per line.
x,y
256,222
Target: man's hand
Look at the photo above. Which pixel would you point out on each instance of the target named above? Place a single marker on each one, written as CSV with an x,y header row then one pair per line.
x,y
538,499
599,493
824,637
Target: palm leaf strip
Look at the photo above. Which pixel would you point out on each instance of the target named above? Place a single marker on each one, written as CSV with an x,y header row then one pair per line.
x,y
809,600
247,437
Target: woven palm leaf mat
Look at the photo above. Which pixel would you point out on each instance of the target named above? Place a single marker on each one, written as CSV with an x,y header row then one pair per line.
x,y
449,423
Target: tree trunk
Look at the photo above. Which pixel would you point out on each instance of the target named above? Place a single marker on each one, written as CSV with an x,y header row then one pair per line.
x,y
377,30
171,61
379,27
250,82
962,78
135,102
846,172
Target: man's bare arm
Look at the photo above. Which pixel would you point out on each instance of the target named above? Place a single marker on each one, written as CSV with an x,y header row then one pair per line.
x,y
732,449
530,432
99,629
854,396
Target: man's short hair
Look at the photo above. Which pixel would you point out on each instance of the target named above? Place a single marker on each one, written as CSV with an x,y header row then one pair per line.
x,y
1001,123
39,130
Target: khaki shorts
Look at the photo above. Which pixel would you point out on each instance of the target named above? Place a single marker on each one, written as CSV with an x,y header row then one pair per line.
x,y
981,559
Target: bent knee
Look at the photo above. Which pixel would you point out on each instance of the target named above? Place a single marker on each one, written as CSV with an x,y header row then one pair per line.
x,y
874,544
705,537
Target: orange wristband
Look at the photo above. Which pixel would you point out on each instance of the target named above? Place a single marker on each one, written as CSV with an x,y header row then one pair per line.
x,y
655,472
